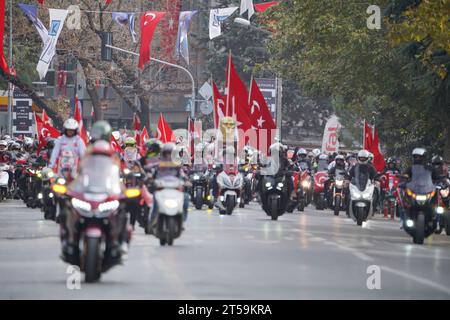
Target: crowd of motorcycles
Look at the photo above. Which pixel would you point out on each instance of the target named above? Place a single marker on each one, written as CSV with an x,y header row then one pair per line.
x,y
98,199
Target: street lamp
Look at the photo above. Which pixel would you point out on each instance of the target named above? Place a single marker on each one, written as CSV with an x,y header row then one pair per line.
x,y
166,63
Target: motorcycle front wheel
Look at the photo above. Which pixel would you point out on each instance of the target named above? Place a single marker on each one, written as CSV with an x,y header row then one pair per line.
x,y
419,236
92,264
337,205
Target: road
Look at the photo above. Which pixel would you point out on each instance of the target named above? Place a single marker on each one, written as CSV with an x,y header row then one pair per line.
x,y
310,255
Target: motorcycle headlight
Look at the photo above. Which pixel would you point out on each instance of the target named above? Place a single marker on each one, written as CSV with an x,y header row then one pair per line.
x,y
355,194
421,197
81,205
280,185
61,181
171,203
305,184
444,192
50,174
126,171
440,210
196,177
40,196
108,206
268,184
339,183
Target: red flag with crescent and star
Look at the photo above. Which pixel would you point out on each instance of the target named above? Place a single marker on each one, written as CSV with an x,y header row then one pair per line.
x,y
149,22
44,130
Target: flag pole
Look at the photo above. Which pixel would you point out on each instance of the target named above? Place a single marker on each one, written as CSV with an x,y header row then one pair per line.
x,y
10,94
228,84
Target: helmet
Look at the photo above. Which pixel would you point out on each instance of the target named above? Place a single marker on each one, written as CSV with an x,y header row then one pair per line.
x,y
6,137
70,124
166,151
28,143
101,130
153,147
130,142
4,143
370,156
290,153
390,160
302,152
419,155
363,156
437,160
316,152
323,157
116,135
14,146
101,147
339,157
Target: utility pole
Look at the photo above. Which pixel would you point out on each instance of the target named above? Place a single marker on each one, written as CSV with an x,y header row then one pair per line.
x,y
10,94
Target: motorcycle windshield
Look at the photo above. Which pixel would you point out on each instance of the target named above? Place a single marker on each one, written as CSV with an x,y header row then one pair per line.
x,y
98,174
421,180
303,166
361,177
322,165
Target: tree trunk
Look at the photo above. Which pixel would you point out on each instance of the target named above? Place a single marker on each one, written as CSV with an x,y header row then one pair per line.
x,y
145,111
57,119
91,90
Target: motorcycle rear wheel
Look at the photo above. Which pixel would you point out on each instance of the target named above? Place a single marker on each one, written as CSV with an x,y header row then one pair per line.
x,y
92,267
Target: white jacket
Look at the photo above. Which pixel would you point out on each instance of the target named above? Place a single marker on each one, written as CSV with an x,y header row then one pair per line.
x,y
74,144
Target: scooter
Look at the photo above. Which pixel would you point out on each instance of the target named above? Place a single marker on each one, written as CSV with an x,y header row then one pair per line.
x,y
4,180
360,207
230,183
169,199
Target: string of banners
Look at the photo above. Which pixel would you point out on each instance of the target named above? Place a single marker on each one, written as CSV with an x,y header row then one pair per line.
x,y
149,21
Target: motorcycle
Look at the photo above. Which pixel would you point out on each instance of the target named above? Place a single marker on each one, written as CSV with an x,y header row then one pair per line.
x,y
274,197
134,179
247,194
360,207
4,180
338,195
199,190
230,184
169,198
47,197
94,223
33,185
304,190
319,189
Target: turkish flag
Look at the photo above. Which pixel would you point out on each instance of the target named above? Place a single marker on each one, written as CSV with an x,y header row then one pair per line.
x,y
149,22
261,116
44,130
261,7
219,105
78,117
3,62
42,1
367,137
237,98
107,1
165,134
378,158
115,145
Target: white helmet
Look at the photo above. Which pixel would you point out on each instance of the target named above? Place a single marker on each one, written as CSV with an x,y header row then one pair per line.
x,y
3,143
316,152
116,135
323,157
363,156
7,138
70,124
370,156
419,152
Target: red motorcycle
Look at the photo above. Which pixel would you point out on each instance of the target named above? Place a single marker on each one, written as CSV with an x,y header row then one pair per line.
x,y
304,189
319,189
94,226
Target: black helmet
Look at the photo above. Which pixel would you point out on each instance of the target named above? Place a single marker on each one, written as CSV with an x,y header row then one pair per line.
x,y
437,160
101,130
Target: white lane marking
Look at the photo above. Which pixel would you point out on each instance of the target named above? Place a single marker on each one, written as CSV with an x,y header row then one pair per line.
x,y
418,279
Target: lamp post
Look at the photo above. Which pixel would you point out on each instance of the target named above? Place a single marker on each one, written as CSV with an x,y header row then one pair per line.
x,y
10,94
168,64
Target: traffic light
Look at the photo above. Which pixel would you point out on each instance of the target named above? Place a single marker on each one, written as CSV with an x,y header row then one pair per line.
x,y
107,39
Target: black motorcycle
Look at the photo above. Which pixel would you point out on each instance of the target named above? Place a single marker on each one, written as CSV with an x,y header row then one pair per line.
x,y
420,204
199,190
33,180
274,195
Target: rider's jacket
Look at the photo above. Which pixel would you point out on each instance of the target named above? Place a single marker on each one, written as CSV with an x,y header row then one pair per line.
x,y
64,143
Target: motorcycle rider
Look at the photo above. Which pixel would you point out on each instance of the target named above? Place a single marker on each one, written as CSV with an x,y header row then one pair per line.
x,y
69,141
131,152
440,169
302,160
391,166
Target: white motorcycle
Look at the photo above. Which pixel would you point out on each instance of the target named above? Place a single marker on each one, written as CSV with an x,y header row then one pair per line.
x,y
230,185
360,207
4,179
169,200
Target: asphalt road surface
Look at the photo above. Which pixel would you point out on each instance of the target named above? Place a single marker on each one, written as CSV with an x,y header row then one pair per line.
x,y
310,255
